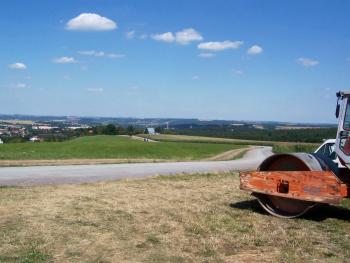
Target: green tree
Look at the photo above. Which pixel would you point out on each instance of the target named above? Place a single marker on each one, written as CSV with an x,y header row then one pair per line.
x,y
110,129
130,129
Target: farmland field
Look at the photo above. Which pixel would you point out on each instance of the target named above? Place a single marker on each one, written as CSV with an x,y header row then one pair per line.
x,y
182,218
278,147
117,147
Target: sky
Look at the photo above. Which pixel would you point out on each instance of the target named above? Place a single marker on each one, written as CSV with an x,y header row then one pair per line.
x,y
223,59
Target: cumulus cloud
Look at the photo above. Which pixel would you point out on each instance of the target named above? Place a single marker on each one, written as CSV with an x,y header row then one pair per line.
x,y
64,60
113,55
206,55
20,86
143,36
95,89
182,37
307,62
133,91
255,50
91,22
165,37
220,46
92,53
130,34
237,72
18,65
187,35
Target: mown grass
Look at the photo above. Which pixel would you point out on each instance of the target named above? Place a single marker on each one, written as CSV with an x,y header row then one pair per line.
x,y
111,147
183,218
277,147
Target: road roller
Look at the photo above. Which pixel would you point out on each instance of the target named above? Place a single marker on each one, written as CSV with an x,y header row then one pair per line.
x,y
291,184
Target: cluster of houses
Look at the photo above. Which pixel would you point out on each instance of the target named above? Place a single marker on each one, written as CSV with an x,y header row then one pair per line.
x,y
14,128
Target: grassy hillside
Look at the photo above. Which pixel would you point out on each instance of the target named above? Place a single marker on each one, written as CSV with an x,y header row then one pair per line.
x,y
183,218
278,147
111,147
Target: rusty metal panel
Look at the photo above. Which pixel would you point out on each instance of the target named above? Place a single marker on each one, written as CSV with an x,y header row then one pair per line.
x,y
315,186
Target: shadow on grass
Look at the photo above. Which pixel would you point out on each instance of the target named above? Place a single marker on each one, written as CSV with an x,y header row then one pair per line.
x,y
319,213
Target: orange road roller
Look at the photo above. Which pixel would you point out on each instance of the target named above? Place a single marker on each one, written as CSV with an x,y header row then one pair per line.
x,y
289,185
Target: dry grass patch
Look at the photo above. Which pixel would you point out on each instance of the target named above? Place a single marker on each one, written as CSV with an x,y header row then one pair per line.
x,y
183,218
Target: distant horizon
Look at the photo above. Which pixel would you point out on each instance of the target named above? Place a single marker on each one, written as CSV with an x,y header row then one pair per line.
x,y
166,118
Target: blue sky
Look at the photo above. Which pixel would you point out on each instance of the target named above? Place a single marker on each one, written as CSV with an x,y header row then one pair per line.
x,y
239,60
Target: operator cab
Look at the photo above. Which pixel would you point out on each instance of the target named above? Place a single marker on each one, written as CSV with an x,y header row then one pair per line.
x,y
343,134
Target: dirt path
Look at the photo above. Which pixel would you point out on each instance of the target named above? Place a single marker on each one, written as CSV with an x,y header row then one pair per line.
x,y
138,138
229,155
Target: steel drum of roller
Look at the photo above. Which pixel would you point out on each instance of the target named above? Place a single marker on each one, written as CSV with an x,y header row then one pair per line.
x,y
287,207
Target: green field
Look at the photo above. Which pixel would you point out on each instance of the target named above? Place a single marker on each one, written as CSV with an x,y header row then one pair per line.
x,y
116,147
278,147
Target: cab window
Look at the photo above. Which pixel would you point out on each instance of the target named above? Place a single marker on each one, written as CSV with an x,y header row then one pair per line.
x,y
346,124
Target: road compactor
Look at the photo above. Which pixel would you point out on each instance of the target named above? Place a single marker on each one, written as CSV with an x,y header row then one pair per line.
x,y
289,185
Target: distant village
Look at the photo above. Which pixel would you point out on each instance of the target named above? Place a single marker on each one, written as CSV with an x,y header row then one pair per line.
x,y
15,131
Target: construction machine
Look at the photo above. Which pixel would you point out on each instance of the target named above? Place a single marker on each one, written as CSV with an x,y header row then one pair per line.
x,y
288,185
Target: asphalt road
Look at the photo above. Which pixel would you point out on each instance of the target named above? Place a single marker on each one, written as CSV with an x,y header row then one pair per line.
x,y
75,174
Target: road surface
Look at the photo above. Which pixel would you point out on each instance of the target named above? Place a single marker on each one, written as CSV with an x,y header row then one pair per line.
x,y
75,174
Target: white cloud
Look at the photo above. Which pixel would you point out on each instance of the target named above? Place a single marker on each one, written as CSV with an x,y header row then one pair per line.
x,y
130,34
206,55
113,55
307,62
92,53
64,60
20,86
133,90
237,72
95,89
187,35
165,37
100,54
195,77
219,46
90,22
182,37
18,65
143,36
255,50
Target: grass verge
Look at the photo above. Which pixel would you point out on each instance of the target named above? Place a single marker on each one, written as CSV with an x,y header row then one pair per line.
x,y
277,147
183,218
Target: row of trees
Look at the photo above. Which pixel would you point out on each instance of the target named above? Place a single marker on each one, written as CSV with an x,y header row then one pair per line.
x,y
301,135
111,129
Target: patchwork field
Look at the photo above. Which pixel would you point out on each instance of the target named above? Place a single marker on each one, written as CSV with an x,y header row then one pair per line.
x,y
114,147
183,218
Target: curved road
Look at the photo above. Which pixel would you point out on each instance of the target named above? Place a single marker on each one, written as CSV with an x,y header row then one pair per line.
x,y
75,174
